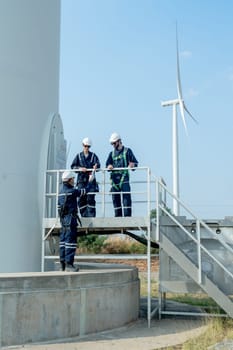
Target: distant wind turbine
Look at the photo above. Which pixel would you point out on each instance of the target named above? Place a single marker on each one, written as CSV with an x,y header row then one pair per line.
x,y
175,157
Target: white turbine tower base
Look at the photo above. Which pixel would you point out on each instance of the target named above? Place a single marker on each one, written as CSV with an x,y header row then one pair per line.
x,y
29,96
175,149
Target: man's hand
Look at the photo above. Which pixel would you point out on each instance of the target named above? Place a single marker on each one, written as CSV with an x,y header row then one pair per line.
x,y
110,167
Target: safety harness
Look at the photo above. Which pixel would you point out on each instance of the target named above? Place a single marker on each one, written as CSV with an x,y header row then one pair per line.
x,y
121,158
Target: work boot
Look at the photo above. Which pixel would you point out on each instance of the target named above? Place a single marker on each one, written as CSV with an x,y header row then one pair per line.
x,y
71,268
62,266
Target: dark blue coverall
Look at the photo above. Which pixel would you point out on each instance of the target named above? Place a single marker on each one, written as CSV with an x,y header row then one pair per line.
x,y
87,202
120,180
68,233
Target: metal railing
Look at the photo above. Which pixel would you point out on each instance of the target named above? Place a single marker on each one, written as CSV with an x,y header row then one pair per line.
x,y
147,192
161,208
141,191
143,201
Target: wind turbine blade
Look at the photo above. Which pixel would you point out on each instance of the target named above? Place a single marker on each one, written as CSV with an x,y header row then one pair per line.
x,y
186,109
182,109
179,90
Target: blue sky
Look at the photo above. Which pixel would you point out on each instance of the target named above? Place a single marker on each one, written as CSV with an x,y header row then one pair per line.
x,y
118,62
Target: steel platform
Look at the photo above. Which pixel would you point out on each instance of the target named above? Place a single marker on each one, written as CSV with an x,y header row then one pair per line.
x,y
103,224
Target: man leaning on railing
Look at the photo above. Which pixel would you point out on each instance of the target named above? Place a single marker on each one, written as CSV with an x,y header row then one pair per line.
x,y
120,157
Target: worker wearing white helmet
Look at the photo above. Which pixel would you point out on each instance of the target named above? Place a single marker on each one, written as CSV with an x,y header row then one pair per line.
x,y
86,162
68,175
114,138
67,209
120,157
87,142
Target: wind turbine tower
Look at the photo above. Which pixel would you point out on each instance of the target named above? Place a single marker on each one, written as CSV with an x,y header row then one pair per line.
x,y
175,144
31,133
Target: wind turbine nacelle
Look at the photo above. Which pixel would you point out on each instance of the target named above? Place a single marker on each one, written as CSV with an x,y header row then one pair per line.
x,y
170,102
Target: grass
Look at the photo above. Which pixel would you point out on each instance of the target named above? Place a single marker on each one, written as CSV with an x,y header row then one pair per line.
x,y
218,328
143,285
202,300
207,304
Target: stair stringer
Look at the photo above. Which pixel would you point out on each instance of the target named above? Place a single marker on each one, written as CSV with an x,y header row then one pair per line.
x,y
206,284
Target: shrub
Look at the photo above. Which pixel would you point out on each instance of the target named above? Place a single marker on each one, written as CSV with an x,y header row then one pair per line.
x,y
91,243
103,244
116,245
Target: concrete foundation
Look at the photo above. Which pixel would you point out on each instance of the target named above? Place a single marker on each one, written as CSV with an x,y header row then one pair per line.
x,y
45,306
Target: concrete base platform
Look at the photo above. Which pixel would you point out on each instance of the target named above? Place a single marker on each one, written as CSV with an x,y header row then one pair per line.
x,y
45,306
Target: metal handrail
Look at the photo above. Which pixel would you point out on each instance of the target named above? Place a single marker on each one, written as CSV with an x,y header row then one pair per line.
x,y
199,223
52,193
55,176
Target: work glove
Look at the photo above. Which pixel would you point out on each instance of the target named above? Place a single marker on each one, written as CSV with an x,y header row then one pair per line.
x,y
91,177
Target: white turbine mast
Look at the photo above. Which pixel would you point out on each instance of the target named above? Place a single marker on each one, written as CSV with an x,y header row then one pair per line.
x,y
175,152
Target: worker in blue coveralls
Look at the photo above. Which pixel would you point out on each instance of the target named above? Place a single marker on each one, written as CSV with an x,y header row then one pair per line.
x,y
83,161
120,157
67,209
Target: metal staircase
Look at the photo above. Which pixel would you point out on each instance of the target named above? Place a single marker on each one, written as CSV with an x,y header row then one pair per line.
x,y
202,254
195,256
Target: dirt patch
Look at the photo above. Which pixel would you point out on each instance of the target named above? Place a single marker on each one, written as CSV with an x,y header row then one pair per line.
x,y
141,264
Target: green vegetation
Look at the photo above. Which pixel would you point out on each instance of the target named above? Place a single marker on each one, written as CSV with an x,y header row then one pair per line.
x,y
113,244
207,304
143,284
91,244
153,213
217,330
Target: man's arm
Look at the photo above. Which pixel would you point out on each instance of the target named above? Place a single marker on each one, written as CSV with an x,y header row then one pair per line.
x,y
109,162
75,164
132,161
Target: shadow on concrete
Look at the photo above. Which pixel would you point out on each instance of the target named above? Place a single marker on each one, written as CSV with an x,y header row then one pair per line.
x,y
162,333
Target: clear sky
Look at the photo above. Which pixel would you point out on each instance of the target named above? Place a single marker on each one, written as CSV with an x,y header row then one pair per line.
x,y
118,62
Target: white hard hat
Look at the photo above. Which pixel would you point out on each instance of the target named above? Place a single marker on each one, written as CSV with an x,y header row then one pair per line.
x,y
87,141
67,175
114,137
